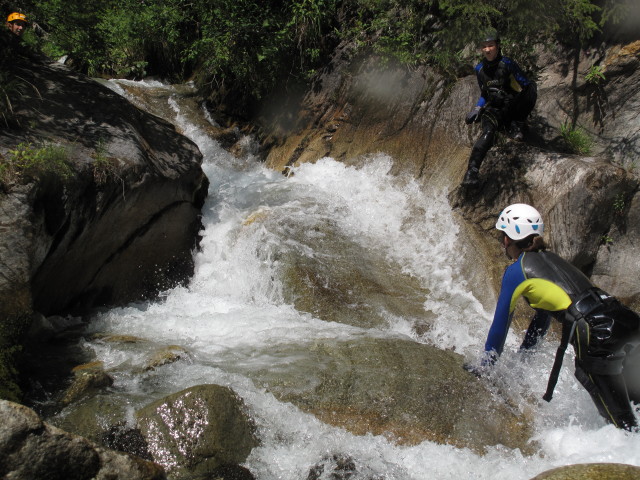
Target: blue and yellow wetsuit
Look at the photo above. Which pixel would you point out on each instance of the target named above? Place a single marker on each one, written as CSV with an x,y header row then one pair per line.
x,y
547,282
550,285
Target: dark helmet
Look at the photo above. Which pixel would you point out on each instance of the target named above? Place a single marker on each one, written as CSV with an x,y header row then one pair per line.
x,y
490,36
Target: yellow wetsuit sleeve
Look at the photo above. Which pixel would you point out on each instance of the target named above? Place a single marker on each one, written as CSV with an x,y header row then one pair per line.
x,y
541,294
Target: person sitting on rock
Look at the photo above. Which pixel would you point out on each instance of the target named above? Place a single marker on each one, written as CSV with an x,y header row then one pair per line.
x,y
17,23
604,333
507,98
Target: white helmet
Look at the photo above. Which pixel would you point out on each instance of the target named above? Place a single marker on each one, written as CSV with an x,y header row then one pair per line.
x,y
519,221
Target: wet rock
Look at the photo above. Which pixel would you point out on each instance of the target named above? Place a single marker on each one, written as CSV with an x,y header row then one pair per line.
x,y
126,439
197,430
405,391
32,449
230,472
575,195
415,117
124,225
110,338
120,227
95,417
592,471
619,251
87,379
166,356
356,293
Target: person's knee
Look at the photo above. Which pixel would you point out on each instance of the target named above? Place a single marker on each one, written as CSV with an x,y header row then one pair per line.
x,y
485,141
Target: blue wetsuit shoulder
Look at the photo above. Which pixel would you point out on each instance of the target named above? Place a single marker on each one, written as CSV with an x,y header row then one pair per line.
x,y
515,70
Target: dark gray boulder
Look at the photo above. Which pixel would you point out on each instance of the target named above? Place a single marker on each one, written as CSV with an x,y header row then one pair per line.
x,y
117,222
32,449
123,224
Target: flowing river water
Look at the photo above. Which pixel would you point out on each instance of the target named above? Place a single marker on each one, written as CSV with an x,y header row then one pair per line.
x,y
379,257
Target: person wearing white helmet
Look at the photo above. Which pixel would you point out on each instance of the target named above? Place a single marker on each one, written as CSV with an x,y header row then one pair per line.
x,y
604,333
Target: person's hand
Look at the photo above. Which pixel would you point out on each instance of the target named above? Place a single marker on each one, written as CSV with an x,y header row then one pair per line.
x,y
473,116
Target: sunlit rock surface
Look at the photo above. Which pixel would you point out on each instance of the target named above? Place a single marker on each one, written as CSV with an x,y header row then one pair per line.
x,y
197,430
359,106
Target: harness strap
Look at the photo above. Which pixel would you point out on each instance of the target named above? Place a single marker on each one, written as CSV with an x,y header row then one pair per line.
x,y
584,304
568,328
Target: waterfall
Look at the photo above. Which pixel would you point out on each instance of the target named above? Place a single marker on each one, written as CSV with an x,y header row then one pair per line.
x,y
332,253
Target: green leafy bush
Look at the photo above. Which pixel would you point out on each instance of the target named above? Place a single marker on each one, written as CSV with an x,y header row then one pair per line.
x,y
29,162
595,75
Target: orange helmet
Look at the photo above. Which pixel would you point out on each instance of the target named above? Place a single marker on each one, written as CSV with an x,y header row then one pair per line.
x,y
17,16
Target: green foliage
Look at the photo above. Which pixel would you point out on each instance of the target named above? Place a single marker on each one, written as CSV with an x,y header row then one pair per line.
x,y
619,204
577,140
595,75
579,15
104,167
617,12
254,44
29,162
606,239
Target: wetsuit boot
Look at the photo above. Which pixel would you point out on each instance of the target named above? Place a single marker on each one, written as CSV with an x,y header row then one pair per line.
x,y
516,130
475,160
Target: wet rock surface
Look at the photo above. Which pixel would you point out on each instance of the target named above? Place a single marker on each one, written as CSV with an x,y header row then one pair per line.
x,y
197,430
405,391
360,106
120,226
32,449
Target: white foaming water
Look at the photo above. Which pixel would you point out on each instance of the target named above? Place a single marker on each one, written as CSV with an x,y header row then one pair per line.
x,y
233,317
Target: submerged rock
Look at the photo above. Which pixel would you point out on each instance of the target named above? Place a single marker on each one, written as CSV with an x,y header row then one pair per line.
x,y
197,430
87,379
166,356
403,390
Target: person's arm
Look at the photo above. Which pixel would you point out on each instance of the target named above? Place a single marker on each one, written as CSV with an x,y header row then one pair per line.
x,y
505,307
481,101
518,75
537,329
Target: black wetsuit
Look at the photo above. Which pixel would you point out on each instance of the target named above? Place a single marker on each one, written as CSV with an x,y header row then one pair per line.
x,y
605,338
507,98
